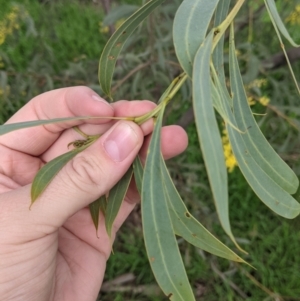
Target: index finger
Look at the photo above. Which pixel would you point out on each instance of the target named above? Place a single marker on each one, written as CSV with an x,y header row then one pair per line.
x,y
65,102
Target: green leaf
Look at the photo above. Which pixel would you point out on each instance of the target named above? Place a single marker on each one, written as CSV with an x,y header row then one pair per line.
x,y
221,107
275,17
208,133
46,174
160,241
189,30
255,142
218,60
186,226
95,208
115,44
138,173
297,195
6,128
266,189
279,26
115,199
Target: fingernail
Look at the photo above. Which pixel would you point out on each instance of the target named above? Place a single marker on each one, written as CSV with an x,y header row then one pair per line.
x,y
120,142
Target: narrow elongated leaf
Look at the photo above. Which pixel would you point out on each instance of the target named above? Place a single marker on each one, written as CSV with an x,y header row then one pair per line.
x,y
189,30
115,44
115,199
186,226
219,105
218,60
271,6
96,207
266,189
46,174
297,195
138,173
208,133
276,21
222,101
255,142
6,128
217,102
160,241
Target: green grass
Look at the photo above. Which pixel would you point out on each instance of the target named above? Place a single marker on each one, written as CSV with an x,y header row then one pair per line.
x,y
54,40
65,50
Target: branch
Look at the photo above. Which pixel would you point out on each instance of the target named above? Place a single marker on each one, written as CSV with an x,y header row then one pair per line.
x,y
131,73
278,60
106,4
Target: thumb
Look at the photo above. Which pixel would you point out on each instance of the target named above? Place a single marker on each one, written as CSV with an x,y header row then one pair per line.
x,y
86,177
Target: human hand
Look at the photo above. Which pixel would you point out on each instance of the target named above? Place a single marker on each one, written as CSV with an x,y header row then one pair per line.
x,y
51,252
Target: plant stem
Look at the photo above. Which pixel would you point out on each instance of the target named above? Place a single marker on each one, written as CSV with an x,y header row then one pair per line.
x,y
283,48
165,98
162,103
220,30
76,129
178,82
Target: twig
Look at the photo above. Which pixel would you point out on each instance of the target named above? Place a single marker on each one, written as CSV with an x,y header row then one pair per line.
x,y
82,82
280,114
117,285
229,282
132,72
106,7
278,60
261,286
122,279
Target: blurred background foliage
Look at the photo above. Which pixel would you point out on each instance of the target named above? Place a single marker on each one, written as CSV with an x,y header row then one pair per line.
x,y
57,43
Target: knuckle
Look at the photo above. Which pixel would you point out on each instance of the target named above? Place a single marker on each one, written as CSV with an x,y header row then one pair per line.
x,y
85,172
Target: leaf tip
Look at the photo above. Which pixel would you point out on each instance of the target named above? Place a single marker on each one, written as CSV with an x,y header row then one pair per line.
x,y
239,248
95,222
33,196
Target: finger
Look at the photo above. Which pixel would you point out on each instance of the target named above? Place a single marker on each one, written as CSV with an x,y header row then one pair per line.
x,y
19,167
121,109
174,141
7,184
133,108
77,240
66,102
89,175
81,226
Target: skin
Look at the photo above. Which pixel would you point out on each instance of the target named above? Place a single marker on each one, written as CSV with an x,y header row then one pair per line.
x,y
51,252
